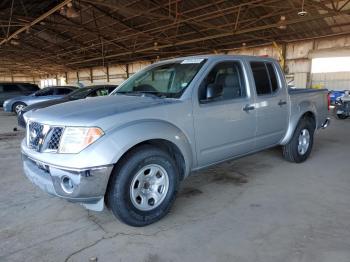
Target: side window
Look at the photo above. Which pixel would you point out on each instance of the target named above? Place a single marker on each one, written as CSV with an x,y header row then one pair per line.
x,y
227,78
273,77
111,89
102,92
261,78
265,78
45,92
93,94
11,88
63,91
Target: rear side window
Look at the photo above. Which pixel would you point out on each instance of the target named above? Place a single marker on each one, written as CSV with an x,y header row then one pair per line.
x,y
261,78
264,77
273,77
11,88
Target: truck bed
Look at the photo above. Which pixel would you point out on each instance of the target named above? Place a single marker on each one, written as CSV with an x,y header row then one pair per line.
x,y
305,97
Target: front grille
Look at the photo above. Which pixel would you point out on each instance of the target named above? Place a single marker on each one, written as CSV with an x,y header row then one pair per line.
x,y
35,135
55,138
43,138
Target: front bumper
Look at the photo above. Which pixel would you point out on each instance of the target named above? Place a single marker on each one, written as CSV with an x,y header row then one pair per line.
x,y
7,107
20,119
86,186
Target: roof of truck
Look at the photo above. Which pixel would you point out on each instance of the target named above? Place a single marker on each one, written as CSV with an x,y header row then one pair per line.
x,y
219,57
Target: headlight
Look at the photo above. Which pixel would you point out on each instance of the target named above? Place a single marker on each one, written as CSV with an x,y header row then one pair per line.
x,y
75,139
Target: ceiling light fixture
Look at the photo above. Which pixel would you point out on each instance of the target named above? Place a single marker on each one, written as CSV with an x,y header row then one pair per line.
x,y
302,12
155,46
282,23
69,11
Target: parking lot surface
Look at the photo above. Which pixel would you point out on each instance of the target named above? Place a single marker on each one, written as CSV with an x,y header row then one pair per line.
x,y
258,208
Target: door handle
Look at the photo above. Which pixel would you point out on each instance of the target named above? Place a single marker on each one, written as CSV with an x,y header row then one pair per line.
x,y
247,108
281,103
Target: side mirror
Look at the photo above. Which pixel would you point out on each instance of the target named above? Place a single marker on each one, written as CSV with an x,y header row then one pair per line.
x,y
213,91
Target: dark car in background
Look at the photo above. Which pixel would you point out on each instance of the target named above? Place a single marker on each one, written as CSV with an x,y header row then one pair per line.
x,y
16,104
11,90
81,93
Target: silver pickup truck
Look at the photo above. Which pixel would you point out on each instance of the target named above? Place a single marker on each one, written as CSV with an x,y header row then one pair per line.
x,y
131,149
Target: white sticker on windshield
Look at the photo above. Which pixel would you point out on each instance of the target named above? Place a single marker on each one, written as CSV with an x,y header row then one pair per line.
x,y
192,61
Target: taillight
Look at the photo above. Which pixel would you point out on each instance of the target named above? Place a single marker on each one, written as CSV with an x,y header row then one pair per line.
x,y
329,101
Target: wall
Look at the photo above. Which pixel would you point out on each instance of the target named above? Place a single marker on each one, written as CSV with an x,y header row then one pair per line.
x,y
332,81
20,78
298,56
113,74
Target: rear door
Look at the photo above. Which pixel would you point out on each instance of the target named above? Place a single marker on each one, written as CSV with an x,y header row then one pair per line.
x,y
222,128
270,103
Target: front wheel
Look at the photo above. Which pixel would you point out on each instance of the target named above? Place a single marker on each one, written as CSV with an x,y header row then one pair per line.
x,y
143,186
18,107
299,147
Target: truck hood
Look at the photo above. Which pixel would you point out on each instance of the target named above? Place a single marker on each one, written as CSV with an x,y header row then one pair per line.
x,y
98,111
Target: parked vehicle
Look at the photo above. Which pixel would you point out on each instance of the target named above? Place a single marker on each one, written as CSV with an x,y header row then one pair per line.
x,y
132,148
342,106
16,104
11,90
334,95
81,93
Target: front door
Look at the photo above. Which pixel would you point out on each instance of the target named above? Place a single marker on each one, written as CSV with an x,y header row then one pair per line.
x,y
222,128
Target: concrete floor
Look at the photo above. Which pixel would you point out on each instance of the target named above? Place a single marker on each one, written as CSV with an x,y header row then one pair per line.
x,y
259,208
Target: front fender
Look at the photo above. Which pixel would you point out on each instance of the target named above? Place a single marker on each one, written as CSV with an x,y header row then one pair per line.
x,y
123,138
296,114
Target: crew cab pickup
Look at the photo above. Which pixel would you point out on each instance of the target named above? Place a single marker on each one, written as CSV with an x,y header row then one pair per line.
x,y
131,149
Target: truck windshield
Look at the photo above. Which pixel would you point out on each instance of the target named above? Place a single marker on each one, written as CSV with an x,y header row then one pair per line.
x,y
166,80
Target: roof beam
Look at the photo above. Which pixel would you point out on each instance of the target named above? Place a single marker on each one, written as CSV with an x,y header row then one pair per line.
x,y
200,39
37,20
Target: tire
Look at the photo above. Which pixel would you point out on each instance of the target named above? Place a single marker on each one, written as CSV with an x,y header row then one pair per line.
x,y
298,150
130,199
17,107
341,116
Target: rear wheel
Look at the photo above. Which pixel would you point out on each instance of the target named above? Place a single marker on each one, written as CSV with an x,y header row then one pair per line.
x,y
143,186
299,147
18,107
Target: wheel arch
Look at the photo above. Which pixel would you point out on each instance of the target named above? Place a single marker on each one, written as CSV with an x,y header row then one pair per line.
x,y
161,134
309,114
166,146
